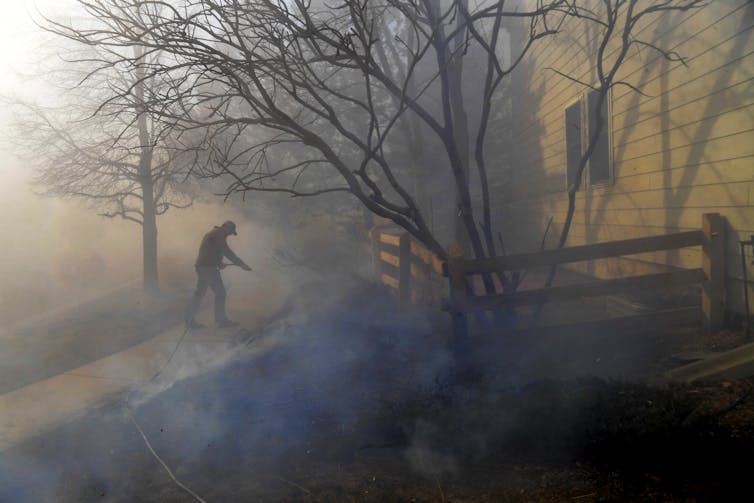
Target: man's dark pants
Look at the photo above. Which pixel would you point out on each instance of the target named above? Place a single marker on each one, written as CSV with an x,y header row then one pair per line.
x,y
208,277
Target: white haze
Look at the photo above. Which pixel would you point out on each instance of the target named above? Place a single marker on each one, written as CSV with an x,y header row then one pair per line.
x,y
29,225
57,252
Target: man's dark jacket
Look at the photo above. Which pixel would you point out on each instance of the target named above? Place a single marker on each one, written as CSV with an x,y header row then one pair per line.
x,y
213,248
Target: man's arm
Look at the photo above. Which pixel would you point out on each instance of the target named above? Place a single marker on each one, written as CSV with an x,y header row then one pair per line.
x,y
235,258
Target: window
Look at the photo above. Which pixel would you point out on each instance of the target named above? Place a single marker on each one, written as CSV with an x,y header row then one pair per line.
x,y
584,111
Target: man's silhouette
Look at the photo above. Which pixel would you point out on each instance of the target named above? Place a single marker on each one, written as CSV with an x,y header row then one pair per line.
x,y
208,264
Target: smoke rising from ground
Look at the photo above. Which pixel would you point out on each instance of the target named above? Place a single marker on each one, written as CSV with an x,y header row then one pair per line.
x,y
335,360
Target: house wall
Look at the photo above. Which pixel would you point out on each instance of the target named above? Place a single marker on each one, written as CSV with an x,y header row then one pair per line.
x,y
682,148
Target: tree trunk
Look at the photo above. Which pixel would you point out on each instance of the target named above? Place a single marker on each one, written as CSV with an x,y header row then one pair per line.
x,y
149,210
460,122
149,236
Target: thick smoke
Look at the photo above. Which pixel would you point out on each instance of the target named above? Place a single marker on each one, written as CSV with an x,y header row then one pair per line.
x,y
331,366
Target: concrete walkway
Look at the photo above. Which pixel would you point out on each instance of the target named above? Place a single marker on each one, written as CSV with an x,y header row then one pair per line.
x,y
39,406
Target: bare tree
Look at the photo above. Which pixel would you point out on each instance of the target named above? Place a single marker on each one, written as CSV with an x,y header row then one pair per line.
x,y
99,143
269,74
307,98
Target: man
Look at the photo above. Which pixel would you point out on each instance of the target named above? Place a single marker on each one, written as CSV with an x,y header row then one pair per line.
x,y
208,264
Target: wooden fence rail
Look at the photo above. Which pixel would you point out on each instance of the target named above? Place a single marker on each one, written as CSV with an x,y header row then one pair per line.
x,y
407,266
585,252
710,275
417,274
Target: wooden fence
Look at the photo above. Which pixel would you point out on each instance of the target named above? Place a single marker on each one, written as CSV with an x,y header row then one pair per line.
x,y
407,266
410,268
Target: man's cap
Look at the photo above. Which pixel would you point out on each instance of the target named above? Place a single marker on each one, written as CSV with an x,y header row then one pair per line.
x,y
230,226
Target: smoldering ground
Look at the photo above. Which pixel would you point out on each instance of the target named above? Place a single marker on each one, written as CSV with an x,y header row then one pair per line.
x,y
344,399
303,364
321,371
340,397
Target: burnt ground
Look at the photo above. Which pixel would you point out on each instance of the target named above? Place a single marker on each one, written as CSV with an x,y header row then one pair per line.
x,y
353,402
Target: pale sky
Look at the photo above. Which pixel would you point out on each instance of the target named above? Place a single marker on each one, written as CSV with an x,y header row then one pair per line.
x,y
44,237
19,36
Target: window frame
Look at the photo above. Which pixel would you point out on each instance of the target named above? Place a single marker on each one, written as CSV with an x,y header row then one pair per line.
x,y
584,122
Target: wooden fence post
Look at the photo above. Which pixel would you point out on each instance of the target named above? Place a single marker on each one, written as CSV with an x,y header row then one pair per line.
x,y
374,233
457,279
404,270
713,263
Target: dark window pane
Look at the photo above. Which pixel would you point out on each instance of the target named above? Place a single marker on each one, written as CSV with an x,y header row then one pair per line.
x,y
573,141
599,163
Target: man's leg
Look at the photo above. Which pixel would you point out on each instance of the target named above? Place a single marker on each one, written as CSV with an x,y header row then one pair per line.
x,y
218,288
201,288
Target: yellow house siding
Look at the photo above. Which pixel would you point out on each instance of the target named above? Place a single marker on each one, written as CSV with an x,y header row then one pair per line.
x,y
683,148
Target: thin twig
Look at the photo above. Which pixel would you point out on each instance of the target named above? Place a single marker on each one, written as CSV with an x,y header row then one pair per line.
x,y
544,236
164,465
442,494
583,496
301,488
572,79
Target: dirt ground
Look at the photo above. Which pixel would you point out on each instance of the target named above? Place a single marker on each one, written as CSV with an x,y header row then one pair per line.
x,y
353,402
